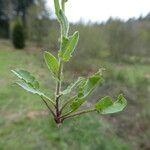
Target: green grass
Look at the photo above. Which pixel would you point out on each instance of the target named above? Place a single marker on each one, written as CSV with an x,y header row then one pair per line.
x,y
21,130
42,133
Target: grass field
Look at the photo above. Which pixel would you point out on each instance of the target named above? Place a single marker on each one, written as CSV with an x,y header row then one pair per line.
x,y
25,123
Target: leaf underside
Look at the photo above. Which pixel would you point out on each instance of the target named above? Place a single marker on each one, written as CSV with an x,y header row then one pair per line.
x,y
107,106
72,86
29,88
27,82
27,77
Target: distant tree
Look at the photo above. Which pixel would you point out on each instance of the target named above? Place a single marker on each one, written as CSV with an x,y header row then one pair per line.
x,y
38,22
13,8
120,38
4,21
20,8
10,9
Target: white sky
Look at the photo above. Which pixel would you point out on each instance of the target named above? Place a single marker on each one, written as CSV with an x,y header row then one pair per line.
x,y
101,10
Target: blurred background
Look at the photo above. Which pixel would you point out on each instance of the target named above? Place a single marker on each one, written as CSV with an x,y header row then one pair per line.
x,y
120,43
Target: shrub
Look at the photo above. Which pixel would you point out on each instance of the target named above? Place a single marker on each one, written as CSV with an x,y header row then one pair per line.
x,y
18,35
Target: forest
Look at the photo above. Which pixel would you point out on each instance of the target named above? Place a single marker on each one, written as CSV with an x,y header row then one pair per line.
x,y
121,47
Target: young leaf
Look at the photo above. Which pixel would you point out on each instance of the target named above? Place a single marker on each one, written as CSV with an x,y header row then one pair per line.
x,y
65,41
28,87
85,88
107,106
68,46
57,7
76,103
52,63
73,85
64,23
61,18
89,85
27,77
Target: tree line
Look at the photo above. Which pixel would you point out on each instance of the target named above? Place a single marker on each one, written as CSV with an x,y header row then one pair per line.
x,y
115,38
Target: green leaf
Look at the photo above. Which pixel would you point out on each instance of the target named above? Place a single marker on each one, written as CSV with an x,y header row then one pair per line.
x,y
28,87
57,7
68,46
104,103
61,18
65,42
90,84
64,23
27,77
29,83
107,106
76,103
52,63
73,85
85,87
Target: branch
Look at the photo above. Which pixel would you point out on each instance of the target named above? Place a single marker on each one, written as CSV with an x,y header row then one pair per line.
x,y
58,87
49,100
58,84
65,104
78,113
48,107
